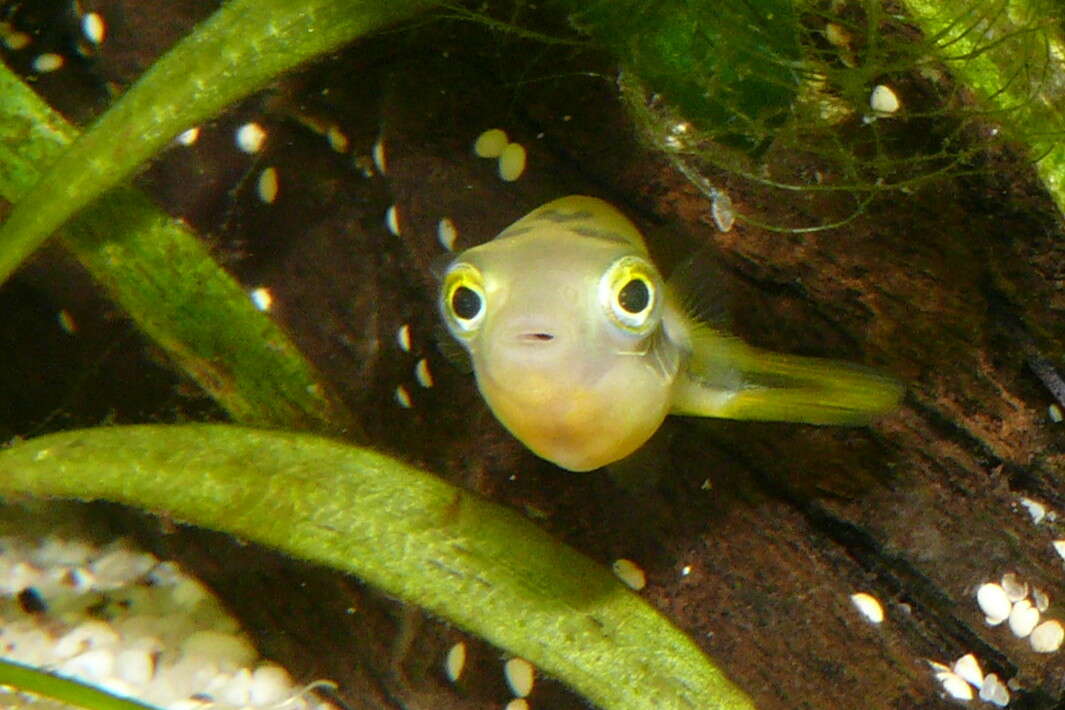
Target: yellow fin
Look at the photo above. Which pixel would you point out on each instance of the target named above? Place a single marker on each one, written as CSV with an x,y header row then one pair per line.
x,y
727,378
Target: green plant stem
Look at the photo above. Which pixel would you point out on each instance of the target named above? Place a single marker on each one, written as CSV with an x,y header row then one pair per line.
x,y
1010,53
236,51
65,690
480,565
169,285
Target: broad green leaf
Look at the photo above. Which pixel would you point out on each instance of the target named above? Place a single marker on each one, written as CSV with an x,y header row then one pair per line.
x,y
482,566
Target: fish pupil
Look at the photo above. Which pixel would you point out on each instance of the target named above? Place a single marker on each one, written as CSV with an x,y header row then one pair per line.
x,y
634,296
465,303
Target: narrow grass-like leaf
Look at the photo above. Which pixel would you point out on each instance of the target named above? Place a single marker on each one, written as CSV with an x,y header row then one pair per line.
x,y
65,690
236,51
1010,52
482,566
166,281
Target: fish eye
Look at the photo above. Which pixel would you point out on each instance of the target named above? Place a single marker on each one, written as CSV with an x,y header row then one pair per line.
x,y
462,299
635,295
465,303
628,293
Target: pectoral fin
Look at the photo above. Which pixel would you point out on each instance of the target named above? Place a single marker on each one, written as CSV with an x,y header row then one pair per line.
x,y
727,378
452,351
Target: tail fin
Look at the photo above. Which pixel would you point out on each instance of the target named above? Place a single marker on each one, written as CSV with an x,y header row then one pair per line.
x,y
728,378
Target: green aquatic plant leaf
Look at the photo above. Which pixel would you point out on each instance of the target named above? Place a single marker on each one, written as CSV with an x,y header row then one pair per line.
x,y
1010,53
482,566
167,282
65,690
236,51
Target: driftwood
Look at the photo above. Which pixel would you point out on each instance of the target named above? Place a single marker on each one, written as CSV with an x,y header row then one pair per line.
x,y
753,536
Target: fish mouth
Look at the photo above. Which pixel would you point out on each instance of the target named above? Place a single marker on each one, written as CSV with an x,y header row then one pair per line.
x,y
535,337
532,331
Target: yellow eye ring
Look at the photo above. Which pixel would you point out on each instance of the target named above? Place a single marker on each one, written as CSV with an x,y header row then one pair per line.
x,y
462,299
630,294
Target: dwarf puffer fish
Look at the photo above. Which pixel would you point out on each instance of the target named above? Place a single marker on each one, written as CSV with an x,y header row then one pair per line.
x,y
581,349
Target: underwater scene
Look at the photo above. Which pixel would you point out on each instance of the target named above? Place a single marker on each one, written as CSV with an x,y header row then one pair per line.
x,y
381,354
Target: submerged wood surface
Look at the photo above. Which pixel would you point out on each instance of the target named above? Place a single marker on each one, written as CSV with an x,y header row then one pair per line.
x,y
753,536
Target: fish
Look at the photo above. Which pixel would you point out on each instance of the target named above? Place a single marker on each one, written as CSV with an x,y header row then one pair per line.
x,y
581,349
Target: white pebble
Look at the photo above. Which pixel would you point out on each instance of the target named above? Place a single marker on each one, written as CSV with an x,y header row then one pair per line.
x,y
120,566
455,662
84,637
883,100
392,220
955,686
81,580
491,143
869,607
189,592
262,298
630,573
993,691
189,137
141,630
233,690
166,574
1059,547
17,576
422,374
379,156
93,665
93,27
512,162
520,675
1037,510
1047,637
403,397
969,668
268,185
1023,618
1016,589
994,603
403,338
31,646
250,137
270,684
228,651
135,666
58,551
48,62
446,233
1055,414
